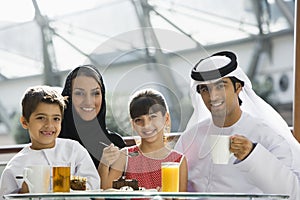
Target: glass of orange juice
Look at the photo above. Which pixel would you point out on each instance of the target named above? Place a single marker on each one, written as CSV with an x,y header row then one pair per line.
x,y
170,176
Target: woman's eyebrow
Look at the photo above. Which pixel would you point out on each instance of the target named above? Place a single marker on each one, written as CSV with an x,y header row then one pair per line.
x,y
78,88
97,88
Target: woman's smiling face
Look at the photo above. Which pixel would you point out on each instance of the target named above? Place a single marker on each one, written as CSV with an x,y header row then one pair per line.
x,y
86,97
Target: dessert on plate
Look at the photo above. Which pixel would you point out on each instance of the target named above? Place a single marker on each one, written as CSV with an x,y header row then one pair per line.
x,y
122,181
78,183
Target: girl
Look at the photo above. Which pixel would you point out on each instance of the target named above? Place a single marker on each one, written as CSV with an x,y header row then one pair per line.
x,y
149,118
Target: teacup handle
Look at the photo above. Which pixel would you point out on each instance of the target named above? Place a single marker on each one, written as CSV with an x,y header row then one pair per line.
x,y
25,175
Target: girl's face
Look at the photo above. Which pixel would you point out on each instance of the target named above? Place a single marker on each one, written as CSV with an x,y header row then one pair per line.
x,y
44,125
86,97
151,125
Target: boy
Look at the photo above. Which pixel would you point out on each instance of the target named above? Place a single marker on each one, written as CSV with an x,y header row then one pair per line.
x,y
42,111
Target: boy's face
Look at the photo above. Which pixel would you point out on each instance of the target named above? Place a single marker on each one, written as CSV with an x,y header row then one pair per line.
x,y
44,125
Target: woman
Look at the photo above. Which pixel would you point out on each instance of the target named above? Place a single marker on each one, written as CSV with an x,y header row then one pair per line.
x,y
84,118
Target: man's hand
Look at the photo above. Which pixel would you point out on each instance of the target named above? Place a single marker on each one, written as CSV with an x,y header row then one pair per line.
x,y
240,146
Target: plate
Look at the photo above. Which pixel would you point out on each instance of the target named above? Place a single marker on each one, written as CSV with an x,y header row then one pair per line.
x,y
85,191
118,190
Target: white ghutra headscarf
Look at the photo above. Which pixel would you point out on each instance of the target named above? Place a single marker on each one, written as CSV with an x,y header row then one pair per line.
x,y
224,64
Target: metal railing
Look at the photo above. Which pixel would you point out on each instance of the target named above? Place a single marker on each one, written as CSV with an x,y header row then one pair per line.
x,y
15,148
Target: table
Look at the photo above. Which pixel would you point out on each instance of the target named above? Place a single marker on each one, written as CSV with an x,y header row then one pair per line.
x,y
145,194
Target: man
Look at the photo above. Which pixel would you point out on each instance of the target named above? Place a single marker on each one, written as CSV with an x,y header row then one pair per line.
x,y
265,153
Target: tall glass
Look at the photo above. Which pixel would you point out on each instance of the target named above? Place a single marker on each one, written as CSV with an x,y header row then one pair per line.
x,y
170,176
61,178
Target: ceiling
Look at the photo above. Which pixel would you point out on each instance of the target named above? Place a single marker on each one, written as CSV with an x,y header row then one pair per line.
x,y
72,30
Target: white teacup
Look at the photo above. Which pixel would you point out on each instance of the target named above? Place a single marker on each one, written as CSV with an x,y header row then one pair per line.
x,y
220,145
37,178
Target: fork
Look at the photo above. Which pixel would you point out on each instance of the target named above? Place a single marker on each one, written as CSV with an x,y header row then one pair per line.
x,y
130,154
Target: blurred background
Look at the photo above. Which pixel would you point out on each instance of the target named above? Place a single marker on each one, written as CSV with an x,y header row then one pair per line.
x,y
138,44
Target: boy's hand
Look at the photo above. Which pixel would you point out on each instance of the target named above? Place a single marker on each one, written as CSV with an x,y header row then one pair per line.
x,y
24,188
110,155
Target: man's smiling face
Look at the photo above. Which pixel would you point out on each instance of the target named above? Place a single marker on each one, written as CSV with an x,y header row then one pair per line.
x,y
221,98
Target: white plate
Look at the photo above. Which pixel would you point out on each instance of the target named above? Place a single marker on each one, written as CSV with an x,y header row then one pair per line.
x,y
85,191
117,190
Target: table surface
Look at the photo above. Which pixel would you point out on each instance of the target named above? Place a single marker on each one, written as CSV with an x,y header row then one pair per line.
x,y
144,194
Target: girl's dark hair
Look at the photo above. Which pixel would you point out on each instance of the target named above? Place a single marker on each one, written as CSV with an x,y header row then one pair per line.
x,y
145,102
235,80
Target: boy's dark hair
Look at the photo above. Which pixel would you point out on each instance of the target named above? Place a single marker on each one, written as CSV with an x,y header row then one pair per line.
x,y
38,94
145,102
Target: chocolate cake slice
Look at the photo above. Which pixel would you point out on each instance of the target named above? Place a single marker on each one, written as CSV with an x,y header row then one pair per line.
x,y
122,181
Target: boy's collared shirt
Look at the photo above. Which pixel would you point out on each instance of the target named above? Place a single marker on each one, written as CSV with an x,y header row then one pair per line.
x,y
65,151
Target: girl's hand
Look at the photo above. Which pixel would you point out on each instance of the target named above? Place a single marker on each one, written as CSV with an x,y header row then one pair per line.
x,y
110,155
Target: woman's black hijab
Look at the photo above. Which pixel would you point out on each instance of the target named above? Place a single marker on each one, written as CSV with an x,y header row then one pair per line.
x,y
87,133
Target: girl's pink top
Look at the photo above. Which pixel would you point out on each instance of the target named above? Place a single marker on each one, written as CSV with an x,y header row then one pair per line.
x,y
147,171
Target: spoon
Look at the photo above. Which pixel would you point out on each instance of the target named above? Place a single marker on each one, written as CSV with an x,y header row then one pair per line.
x,y
130,154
